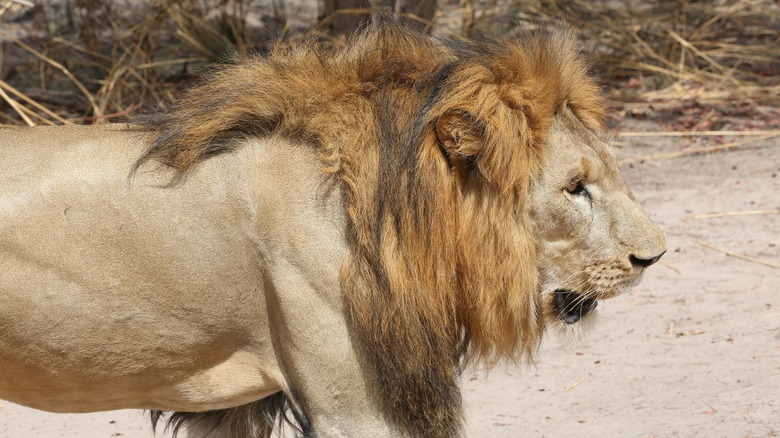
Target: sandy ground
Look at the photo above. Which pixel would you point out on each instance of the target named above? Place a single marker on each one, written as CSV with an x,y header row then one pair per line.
x,y
694,351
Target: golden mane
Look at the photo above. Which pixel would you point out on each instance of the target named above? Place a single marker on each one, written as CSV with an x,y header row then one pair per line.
x,y
435,142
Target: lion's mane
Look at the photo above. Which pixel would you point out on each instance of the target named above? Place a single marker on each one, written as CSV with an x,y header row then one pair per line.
x,y
435,142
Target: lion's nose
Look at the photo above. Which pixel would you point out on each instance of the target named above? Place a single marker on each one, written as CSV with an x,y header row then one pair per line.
x,y
643,262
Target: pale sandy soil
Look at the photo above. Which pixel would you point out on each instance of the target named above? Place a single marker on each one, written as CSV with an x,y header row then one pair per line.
x,y
694,351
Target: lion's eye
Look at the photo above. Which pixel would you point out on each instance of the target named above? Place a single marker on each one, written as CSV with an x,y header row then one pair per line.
x,y
578,189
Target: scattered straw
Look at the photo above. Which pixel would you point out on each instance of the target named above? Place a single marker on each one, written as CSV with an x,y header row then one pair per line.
x,y
711,411
4,86
577,383
702,150
692,133
716,96
737,255
689,333
169,62
668,266
734,213
16,107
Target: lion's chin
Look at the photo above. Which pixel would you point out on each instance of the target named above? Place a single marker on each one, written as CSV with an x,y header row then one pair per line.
x,y
572,306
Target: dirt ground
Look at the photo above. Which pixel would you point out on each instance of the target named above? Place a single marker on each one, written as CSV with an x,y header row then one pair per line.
x,y
694,351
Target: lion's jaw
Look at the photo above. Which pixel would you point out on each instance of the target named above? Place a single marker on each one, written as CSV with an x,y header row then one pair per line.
x,y
593,240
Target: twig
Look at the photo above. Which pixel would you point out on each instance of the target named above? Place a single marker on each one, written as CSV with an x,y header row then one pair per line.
x,y
20,95
711,411
734,213
35,115
739,256
710,95
667,265
703,55
577,383
694,133
168,62
702,150
733,9
18,108
689,333
81,49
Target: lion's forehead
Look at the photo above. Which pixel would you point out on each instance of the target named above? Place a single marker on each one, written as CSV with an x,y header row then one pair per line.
x,y
573,153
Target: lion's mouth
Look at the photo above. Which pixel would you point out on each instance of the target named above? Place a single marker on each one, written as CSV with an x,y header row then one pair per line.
x,y
572,306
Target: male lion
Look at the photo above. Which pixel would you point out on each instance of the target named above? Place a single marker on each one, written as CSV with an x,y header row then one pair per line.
x,y
327,235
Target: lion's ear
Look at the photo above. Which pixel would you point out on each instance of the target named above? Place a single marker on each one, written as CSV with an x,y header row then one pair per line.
x,y
459,136
499,142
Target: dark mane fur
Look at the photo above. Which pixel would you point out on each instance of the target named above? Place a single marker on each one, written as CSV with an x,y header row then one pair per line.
x,y
258,419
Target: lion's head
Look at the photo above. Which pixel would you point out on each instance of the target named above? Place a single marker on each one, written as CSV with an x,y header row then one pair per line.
x,y
593,240
481,204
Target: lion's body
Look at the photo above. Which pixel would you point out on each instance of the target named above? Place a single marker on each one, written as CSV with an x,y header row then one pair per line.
x,y
121,293
349,229
174,264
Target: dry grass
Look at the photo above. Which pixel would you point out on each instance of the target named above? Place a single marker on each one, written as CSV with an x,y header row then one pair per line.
x,y
105,59
716,50
102,59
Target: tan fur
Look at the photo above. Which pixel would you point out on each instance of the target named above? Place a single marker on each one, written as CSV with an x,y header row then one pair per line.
x,y
438,148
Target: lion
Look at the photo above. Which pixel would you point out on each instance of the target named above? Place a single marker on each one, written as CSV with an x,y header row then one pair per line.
x,y
323,236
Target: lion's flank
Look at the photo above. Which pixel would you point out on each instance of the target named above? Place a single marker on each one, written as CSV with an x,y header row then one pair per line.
x,y
435,142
